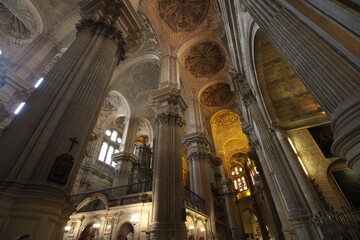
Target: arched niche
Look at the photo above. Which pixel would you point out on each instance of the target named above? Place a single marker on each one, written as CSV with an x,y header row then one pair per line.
x,y
125,230
90,232
286,99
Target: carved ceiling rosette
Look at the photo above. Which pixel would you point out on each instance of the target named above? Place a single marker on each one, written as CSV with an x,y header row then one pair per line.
x,y
183,15
216,95
205,60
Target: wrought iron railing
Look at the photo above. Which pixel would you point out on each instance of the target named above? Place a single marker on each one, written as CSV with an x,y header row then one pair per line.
x,y
194,201
334,225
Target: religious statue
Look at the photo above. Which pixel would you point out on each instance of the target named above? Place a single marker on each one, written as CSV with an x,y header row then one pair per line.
x,y
130,236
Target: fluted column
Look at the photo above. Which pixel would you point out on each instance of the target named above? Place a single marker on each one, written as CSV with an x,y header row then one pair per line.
x,y
198,158
43,147
273,194
168,192
329,77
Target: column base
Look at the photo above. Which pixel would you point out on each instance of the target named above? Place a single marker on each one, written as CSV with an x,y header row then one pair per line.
x,y
168,231
346,125
40,217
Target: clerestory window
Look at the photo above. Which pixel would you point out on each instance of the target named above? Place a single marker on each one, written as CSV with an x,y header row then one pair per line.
x,y
111,144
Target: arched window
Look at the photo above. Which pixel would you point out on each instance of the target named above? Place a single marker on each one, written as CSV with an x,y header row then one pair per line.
x,y
240,183
110,145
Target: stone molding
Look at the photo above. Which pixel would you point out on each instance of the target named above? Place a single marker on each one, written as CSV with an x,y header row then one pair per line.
x,y
199,138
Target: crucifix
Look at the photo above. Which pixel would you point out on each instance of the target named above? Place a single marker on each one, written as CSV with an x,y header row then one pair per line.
x,y
73,142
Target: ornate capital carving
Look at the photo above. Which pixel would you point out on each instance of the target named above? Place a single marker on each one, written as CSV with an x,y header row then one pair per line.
x,y
197,156
243,87
106,29
168,118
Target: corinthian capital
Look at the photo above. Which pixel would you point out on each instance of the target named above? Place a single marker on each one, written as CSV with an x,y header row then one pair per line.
x,y
197,156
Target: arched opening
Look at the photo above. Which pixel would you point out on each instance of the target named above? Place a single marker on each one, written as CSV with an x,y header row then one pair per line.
x,y
90,232
251,225
126,232
228,137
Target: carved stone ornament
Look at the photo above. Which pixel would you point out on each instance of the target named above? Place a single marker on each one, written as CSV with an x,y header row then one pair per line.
x,y
13,26
103,28
216,95
61,169
168,118
183,15
205,59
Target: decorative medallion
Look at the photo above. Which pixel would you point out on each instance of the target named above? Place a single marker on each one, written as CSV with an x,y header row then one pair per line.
x,y
226,118
12,26
61,169
183,15
216,95
205,60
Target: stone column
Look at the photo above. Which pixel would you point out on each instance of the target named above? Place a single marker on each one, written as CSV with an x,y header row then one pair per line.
x,y
43,147
198,157
329,77
235,221
168,192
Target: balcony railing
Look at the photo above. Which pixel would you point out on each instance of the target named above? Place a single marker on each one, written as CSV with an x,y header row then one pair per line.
x,y
338,225
194,201
136,193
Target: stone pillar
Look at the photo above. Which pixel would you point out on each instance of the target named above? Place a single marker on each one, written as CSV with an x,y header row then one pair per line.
x,y
329,77
292,201
168,192
275,223
274,193
43,147
198,157
235,221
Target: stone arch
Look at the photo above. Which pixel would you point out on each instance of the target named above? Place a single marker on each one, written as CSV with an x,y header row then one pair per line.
x,y
149,8
145,128
93,197
286,100
128,63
